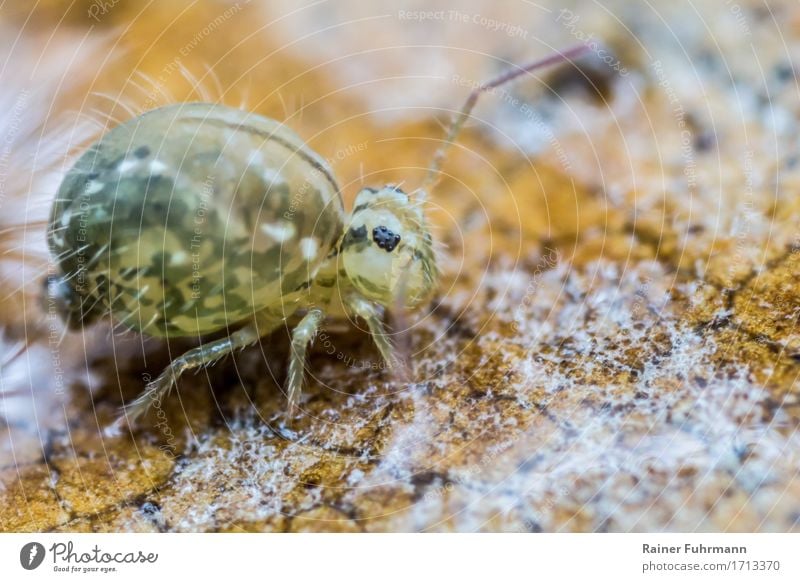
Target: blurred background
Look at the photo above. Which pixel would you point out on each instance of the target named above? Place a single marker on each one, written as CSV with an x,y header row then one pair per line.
x,y
614,345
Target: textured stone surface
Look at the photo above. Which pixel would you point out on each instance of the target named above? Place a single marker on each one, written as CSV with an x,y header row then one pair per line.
x,y
615,346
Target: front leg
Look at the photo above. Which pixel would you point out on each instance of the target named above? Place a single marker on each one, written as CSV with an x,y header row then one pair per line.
x,y
370,313
302,335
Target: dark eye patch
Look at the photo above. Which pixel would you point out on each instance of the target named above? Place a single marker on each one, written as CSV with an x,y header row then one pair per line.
x,y
385,238
355,235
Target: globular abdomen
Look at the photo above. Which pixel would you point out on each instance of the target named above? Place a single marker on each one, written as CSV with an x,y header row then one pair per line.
x,y
192,217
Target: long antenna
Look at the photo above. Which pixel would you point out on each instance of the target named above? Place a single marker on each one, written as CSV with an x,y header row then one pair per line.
x,y
457,124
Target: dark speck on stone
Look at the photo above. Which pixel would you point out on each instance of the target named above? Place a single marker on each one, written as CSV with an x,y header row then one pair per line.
x,y
150,509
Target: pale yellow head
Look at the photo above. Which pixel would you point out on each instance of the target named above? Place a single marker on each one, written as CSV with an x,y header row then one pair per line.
x,y
386,251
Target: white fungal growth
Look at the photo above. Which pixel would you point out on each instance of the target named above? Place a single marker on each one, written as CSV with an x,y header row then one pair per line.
x,y
678,434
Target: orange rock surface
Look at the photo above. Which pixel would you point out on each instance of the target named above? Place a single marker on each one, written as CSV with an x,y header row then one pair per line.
x,y
615,343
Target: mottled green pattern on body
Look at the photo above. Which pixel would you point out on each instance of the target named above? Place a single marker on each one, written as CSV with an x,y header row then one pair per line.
x,y
193,217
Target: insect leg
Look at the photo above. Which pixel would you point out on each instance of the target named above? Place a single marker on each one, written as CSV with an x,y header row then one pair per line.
x,y
302,335
367,310
203,355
